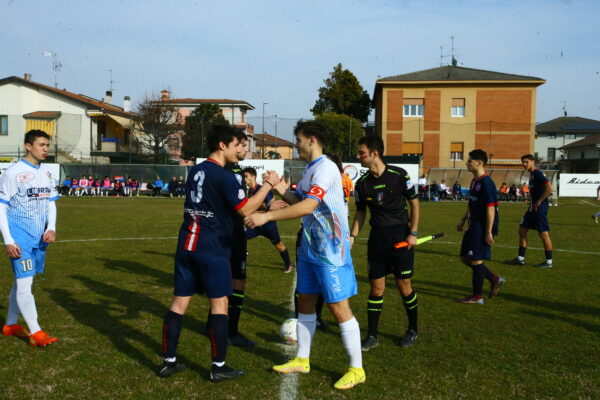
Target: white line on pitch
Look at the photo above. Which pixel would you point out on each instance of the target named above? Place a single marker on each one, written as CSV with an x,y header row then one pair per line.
x,y
114,239
591,204
289,382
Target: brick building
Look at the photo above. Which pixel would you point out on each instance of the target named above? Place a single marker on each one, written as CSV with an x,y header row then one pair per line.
x,y
443,113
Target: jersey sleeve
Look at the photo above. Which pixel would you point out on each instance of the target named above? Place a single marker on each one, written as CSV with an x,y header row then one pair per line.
x,y
359,197
8,188
490,195
232,191
54,195
409,190
539,178
321,182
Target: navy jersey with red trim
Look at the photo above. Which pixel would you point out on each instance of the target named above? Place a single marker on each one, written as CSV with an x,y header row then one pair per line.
x,y
213,195
483,195
255,189
238,221
537,186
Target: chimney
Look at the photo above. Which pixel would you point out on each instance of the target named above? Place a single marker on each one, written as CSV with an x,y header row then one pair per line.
x,y
164,94
126,104
27,77
108,97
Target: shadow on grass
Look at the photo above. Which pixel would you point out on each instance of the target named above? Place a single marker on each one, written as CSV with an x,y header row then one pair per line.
x,y
116,315
160,277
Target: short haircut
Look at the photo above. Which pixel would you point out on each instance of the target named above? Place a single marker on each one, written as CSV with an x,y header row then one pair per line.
x,y
312,128
33,134
249,170
221,133
337,161
479,155
373,143
240,134
527,157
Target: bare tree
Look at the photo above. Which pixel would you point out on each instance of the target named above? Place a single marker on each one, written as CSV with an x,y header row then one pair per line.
x,y
157,122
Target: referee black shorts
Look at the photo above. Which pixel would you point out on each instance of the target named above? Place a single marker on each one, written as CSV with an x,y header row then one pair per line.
x,y
384,259
238,254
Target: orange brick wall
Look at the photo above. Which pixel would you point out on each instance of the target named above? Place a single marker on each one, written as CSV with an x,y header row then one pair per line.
x,y
393,145
395,100
509,110
431,150
503,145
432,110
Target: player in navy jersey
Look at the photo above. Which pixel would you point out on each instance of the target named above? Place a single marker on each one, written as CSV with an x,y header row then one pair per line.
x,y
482,226
268,230
536,216
28,224
214,198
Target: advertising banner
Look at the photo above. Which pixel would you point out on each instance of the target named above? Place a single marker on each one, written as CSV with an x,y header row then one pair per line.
x,y
261,166
355,171
578,185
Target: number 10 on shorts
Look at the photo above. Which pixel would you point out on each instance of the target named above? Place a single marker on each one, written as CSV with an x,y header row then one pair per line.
x,y
27,264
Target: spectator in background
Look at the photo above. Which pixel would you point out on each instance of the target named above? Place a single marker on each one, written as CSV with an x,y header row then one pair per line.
x,y
106,184
525,191
180,187
74,187
118,187
91,185
434,191
65,189
173,187
503,192
512,193
443,190
135,187
83,185
422,187
98,186
128,186
456,191
157,187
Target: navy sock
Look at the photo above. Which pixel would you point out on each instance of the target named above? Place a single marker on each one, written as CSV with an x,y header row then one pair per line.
x,y
171,332
411,306
374,307
319,306
236,302
548,254
285,256
478,277
489,275
217,332
522,251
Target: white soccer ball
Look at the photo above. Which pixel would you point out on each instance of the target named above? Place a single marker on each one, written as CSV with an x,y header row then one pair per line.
x,y
288,331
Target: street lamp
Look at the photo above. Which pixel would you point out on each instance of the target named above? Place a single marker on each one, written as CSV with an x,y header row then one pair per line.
x,y
263,129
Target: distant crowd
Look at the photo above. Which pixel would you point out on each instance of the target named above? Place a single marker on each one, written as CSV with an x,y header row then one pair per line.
x,y
120,186
440,191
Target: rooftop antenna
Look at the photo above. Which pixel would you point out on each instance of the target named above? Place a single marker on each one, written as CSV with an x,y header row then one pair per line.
x,y
441,56
56,65
110,85
452,56
564,107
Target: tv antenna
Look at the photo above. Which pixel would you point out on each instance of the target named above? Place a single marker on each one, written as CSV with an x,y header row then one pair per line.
x,y
56,65
452,55
110,82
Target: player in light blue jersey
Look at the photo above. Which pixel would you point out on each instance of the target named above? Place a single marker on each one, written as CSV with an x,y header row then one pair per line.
x,y
324,262
28,226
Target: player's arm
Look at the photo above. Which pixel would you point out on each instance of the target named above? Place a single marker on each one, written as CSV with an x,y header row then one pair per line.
x,y
258,199
414,221
489,223
297,210
464,219
359,220
283,188
547,192
12,248
50,233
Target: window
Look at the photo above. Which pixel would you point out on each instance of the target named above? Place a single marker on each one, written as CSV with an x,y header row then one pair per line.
x,y
570,136
551,154
412,148
456,151
413,108
3,124
458,108
552,136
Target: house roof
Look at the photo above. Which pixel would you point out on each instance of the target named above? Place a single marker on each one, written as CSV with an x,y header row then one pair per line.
x,y
270,140
80,98
454,73
43,115
593,140
188,100
569,124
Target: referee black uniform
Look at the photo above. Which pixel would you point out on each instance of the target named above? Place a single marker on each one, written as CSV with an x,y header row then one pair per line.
x,y
386,197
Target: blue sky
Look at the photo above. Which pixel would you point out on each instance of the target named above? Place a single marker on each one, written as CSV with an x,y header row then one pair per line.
x,y
280,52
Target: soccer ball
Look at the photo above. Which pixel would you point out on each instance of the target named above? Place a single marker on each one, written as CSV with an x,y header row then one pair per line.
x,y
288,331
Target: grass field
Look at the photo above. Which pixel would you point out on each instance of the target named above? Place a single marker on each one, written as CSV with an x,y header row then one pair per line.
x,y
109,281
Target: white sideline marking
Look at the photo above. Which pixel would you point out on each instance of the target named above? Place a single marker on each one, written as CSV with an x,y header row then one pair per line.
x,y
114,239
591,204
289,382
506,246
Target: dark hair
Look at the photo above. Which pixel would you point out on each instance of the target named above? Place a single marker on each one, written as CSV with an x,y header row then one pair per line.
x,y
240,134
337,162
249,170
479,155
373,143
527,157
33,134
312,128
222,133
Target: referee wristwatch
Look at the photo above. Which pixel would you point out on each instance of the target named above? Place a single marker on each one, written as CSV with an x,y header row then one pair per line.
x,y
414,233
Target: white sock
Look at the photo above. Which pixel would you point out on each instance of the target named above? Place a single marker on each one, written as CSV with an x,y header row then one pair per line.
x,y
307,323
521,258
351,337
12,316
26,303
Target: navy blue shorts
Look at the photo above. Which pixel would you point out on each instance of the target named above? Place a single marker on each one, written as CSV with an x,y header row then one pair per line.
x,y
203,273
269,230
537,220
474,246
238,254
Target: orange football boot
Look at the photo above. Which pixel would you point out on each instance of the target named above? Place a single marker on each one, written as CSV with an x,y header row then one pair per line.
x,y
15,330
41,339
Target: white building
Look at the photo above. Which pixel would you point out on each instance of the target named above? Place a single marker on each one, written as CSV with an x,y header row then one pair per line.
x,y
80,126
559,132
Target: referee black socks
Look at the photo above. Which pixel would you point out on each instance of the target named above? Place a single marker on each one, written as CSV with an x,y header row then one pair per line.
x,y
236,302
374,307
411,305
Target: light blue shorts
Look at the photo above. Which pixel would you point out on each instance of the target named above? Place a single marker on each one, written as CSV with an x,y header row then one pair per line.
x,y
334,283
30,263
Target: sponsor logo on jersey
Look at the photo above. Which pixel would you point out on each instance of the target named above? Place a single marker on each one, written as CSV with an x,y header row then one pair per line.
x,y
241,194
38,192
317,192
24,177
409,184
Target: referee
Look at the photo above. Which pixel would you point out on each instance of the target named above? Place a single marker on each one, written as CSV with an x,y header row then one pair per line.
x,y
386,190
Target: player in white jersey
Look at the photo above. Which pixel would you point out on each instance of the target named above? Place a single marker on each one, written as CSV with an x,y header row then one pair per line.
x,y
28,226
324,261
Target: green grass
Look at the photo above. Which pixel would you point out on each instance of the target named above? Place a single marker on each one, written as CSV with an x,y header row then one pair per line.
x,y
105,300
